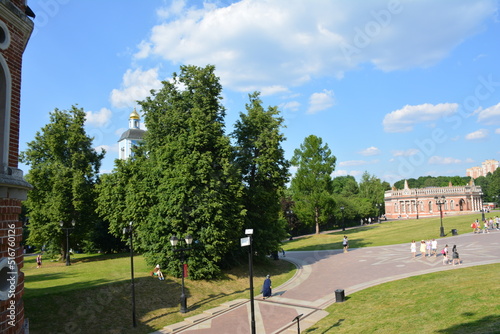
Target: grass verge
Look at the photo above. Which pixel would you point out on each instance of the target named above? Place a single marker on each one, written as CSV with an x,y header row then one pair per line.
x,y
93,295
387,233
461,301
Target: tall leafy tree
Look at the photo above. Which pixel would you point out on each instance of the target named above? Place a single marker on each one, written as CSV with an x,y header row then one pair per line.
x,y
63,171
372,188
191,183
261,161
312,183
345,186
122,196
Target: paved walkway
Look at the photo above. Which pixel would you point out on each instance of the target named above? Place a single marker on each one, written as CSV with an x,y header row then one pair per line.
x,y
320,273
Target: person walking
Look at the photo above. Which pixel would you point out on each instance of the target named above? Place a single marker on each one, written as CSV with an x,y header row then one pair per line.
x,y
267,288
413,248
474,226
486,226
455,256
434,246
39,261
428,247
423,248
345,243
445,254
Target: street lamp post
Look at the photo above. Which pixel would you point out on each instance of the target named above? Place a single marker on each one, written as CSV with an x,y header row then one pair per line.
x,y
416,199
482,207
248,242
67,229
173,241
379,210
343,221
440,202
129,230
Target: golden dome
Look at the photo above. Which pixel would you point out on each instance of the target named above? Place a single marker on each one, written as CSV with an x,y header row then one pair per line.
x,y
134,115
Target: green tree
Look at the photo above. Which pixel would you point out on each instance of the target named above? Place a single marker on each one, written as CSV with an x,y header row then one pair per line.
x,y
122,196
345,186
312,183
260,159
371,188
63,171
191,183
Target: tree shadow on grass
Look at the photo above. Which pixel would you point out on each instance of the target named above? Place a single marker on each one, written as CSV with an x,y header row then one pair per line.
x,y
487,324
327,330
99,257
214,297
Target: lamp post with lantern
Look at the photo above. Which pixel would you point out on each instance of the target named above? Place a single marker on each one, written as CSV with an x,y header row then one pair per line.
x,y
174,241
129,229
67,229
440,202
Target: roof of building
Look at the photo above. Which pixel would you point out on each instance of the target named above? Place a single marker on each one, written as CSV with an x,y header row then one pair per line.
x,y
136,134
134,115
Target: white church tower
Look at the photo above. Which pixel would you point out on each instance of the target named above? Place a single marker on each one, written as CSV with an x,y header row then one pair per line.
x,y
133,136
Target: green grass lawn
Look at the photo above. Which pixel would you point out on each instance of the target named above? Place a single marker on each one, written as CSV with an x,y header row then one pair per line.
x,y
93,295
461,301
387,233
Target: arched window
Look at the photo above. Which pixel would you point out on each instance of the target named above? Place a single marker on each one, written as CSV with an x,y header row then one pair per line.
x,y
430,206
396,207
5,83
452,205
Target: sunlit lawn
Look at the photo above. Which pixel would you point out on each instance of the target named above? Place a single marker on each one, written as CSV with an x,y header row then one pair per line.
x,y
93,295
386,233
459,301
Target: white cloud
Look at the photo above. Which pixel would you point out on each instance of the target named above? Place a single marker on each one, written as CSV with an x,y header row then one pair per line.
x,y
271,90
320,101
108,148
405,153
403,120
285,42
136,85
292,105
353,163
436,160
99,118
477,135
370,151
497,131
489,116
343,172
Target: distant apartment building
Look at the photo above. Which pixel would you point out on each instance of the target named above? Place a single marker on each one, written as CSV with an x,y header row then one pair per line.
x,y
488,166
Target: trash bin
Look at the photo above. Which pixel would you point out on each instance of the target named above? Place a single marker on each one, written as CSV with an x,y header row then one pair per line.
x,y
339,295
454,231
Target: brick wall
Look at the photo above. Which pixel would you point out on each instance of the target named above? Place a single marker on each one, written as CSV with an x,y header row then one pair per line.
x,y
13,188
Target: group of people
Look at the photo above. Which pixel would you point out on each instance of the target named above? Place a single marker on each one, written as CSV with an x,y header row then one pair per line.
x,y
488,224
429,248
455,258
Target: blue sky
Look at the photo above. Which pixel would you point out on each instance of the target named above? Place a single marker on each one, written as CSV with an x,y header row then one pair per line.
x,y
399,89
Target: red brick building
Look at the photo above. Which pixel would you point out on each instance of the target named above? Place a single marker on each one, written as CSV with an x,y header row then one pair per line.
x,y
15,30
413,203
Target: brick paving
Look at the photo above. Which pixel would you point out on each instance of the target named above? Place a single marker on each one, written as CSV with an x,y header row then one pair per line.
x,y
320,273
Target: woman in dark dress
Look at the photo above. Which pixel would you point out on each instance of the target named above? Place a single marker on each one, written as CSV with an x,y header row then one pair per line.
x,y
266,288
